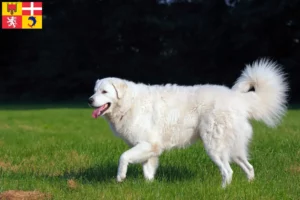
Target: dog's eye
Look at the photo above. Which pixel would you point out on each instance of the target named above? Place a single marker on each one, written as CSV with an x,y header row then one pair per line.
x,y
104,92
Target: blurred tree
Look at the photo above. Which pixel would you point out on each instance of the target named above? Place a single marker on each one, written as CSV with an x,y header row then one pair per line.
x,y
184,42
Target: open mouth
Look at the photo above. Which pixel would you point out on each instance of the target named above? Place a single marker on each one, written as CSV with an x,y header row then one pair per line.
x,y
100,110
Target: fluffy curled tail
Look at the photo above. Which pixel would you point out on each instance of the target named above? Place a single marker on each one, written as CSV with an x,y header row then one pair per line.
x,y
268,100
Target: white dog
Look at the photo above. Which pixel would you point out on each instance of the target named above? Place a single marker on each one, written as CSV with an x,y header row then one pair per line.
x,y
152,119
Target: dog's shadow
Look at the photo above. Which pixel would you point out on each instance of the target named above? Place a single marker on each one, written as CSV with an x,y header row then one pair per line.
x,y
107,172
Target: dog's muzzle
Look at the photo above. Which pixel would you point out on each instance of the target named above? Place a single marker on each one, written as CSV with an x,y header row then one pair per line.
x,y
90,101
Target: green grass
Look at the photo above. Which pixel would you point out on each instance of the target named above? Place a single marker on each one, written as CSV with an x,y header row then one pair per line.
x,y
42,147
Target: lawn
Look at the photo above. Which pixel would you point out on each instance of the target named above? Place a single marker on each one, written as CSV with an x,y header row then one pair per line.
x,y
62,151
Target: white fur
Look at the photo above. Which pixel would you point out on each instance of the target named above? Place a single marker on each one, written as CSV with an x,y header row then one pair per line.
x,y
152,119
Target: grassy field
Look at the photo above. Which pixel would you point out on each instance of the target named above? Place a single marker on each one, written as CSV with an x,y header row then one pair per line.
x,y
64,152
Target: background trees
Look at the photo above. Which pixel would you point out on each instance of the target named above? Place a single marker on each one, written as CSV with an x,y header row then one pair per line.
x,y
203,41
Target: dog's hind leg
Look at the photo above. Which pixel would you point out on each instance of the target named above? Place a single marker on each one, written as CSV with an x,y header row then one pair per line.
x,y
217,139
228,168
221,158
140,153
150,167
245,165
240,149
224,168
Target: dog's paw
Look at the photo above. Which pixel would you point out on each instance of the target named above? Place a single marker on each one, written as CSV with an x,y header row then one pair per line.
x,y
251,176
251,179
149,179
120,178
224,185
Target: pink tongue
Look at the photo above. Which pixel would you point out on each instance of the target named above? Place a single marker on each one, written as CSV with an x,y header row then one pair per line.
x,y
97,111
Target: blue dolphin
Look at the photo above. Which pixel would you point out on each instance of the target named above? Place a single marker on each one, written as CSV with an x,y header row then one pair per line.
x,y
32,18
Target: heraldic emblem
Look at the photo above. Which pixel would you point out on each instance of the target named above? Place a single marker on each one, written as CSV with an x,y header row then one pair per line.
x,y
22,15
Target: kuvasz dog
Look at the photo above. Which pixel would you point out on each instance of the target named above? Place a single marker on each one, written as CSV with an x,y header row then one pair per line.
x,y
152,119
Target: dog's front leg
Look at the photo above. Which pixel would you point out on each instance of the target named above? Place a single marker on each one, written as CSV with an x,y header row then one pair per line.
x,y
137,154
150,167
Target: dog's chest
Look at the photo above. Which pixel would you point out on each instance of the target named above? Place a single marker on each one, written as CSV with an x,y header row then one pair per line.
x,y
132,131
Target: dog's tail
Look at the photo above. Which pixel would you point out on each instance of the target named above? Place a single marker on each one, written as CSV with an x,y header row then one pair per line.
x,y
268,100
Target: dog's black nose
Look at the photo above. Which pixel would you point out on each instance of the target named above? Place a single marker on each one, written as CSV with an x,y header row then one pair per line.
x,y
91,100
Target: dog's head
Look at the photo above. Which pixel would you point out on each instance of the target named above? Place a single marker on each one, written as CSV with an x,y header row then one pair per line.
x,y
108,92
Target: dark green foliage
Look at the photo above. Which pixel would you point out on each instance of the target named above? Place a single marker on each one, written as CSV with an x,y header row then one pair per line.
x,y
184,43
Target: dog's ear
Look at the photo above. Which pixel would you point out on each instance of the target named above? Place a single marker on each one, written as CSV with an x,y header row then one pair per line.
x,y
120,87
